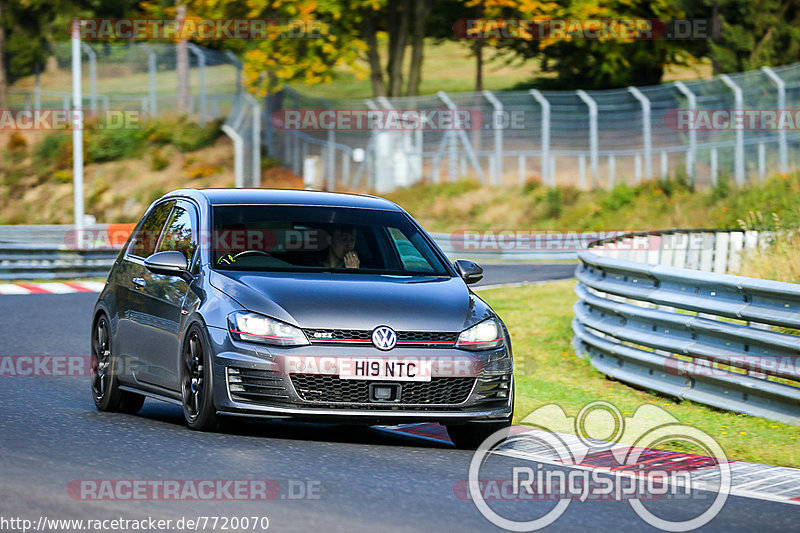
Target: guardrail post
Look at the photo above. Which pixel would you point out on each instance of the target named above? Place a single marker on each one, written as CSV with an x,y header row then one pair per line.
x,y
593,149
497,125
547,177
151,79
738,166
691,155
92,76
201,64
646,137
782,145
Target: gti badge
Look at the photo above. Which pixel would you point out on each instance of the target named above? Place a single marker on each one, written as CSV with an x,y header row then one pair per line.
x,y
384,338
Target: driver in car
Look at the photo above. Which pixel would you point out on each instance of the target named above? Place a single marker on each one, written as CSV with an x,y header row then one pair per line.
x,y
342,250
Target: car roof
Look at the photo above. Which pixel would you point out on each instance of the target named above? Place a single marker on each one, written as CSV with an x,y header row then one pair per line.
x,y
286,197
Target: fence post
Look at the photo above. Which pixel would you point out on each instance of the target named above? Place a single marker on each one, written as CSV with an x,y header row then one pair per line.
x,y
521,169
547,178
612,164
738,166
92,76
637,168
582,172
782,146
201,64
454,135
713,166
592,105
151,78
497,124
762,163
646,137
664,166
37,90
256,133
691,155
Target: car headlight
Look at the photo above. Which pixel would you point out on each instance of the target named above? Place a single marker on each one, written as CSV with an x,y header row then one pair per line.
x,y
482,336
251,327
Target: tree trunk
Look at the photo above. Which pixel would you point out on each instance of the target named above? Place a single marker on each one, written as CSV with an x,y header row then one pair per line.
x,y
3,80
422,11
182,65
398,23
373,54
479,56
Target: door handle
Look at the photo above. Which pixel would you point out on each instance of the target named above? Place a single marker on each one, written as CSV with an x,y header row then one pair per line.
x,y
139,282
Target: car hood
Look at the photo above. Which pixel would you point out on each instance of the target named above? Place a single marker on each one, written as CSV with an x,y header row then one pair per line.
x,y
355,301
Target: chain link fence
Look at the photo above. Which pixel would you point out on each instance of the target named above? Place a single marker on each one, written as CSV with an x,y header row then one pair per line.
x,y
584,139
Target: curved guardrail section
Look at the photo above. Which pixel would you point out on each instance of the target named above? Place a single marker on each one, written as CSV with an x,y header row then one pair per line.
x,y
727,341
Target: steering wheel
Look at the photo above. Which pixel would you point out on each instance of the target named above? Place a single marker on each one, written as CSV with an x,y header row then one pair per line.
x,y
243,254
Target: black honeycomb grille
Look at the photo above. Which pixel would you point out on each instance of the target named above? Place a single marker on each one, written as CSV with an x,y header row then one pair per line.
x,y
330,389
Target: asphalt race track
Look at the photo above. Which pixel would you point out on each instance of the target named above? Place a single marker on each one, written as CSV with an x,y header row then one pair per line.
x,y
360,479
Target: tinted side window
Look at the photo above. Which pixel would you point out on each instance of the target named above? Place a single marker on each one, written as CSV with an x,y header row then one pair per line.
x,y
409,254
178,235
144,243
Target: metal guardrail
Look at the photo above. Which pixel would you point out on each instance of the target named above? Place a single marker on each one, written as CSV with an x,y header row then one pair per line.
x,y
726,341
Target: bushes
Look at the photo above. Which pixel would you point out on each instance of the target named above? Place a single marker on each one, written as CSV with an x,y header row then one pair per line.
x,y
54,152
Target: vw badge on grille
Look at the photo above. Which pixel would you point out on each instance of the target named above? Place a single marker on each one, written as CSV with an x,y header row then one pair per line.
x,y
384,338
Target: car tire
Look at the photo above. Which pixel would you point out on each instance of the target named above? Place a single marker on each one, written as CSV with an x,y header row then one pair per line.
x,y
197,392
103,377
470,435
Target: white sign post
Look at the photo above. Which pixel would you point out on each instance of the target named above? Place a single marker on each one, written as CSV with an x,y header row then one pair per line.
x,y
77,133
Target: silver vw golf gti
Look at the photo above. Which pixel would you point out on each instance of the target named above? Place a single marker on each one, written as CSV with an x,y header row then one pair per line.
x,y
298,305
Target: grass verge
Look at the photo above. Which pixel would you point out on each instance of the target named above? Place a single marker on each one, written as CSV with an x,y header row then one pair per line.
x,y
547,371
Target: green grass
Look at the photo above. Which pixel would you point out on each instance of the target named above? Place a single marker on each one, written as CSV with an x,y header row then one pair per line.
x,y
653,205
548,371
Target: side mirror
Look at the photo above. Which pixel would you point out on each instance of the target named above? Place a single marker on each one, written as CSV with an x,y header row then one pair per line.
x,y
168,264
470,272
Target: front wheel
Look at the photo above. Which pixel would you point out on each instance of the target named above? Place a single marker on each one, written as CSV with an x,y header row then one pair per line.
x,y
105,385
470,435
196,388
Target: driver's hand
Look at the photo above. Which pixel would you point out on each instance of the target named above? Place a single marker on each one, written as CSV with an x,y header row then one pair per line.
x,y
351,260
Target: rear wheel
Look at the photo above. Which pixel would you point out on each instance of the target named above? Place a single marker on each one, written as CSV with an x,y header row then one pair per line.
x,y
470,435
105,385
196,388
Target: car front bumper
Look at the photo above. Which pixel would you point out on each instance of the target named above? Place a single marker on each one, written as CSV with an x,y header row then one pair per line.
x,y
242,360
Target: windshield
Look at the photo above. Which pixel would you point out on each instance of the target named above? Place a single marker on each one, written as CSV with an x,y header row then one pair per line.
x,y
316,239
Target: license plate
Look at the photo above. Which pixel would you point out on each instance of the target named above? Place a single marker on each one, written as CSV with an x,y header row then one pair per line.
x,y
385,369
